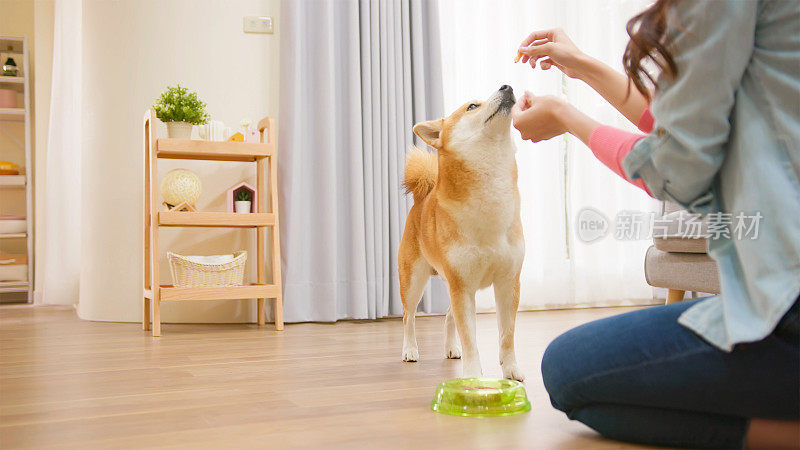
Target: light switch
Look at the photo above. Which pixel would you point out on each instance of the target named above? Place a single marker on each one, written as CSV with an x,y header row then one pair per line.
x,y
258,24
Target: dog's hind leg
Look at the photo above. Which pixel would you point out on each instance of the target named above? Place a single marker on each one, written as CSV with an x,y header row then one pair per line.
x,y
414,276
506,295
452,348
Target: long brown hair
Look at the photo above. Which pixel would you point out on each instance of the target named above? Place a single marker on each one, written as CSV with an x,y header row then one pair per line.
x,y
649,41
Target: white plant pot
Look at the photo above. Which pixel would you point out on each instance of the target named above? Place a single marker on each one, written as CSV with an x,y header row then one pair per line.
x,y
241,206
179,130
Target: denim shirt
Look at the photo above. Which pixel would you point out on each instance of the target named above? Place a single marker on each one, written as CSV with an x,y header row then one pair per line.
x,y
726,143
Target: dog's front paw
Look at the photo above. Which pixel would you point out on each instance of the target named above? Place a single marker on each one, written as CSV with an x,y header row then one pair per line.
x,y
512,372
410,354
452,352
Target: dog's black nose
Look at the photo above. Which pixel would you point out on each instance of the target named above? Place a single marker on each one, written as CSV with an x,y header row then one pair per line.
x,y
505,87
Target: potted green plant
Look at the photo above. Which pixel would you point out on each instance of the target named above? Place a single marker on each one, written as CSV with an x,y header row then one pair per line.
x,y
180,109
243,201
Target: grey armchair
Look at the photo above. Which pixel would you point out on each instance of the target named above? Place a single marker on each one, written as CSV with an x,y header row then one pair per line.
x,y
678,259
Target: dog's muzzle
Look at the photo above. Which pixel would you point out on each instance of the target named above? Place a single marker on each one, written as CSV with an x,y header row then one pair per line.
x,y
508,99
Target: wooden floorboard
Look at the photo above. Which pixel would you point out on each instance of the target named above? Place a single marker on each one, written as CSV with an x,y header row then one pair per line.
x,y
68,383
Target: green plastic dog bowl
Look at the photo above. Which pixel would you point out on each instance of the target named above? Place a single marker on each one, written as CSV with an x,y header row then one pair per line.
x,y
480,397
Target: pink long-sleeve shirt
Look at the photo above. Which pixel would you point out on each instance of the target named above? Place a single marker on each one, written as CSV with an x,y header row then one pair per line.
x,y
611,145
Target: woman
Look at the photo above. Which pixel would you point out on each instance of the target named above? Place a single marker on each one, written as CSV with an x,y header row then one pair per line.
x,y
721,372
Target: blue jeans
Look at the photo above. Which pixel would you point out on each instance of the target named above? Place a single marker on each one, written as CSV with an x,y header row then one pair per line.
x,y
642,377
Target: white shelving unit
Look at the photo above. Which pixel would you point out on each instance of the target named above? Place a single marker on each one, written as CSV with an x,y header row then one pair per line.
x,y
11,185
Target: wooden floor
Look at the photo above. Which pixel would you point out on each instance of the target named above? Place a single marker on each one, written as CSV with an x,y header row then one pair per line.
x,y
69,383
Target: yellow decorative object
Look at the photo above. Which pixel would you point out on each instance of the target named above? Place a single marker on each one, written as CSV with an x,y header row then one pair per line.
x,y
180,185
236,137
6,165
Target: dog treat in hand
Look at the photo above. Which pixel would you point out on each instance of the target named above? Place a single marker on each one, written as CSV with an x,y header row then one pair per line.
x,y
519,56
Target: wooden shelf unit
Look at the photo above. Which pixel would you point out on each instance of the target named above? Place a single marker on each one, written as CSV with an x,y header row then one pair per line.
x,y
263,155
18,185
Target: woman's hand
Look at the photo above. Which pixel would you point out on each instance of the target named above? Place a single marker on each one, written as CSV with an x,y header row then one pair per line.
x,y
542,118
538,118
554,48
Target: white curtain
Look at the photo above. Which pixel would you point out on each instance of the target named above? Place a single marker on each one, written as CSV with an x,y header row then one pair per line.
x,y
62,195
561,176
355,76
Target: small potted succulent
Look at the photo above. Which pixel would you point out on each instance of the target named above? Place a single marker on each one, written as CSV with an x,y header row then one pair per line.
x,y
243,201
180,110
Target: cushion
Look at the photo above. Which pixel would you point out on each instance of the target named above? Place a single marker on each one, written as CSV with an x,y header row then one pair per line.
x,y
684,271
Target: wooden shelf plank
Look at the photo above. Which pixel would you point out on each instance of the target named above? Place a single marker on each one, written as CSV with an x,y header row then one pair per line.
x,y
211,150
12,235
14,83
13,286
214,219
179,294
12,114
12,180
14,42
6,79
20,258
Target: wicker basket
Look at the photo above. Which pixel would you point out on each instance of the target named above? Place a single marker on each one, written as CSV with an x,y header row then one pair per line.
x,y
187,273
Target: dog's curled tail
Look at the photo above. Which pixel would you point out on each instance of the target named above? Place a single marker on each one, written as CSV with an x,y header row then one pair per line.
x,y
422,168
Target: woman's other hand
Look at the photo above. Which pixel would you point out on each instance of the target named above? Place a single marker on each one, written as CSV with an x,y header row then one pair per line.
x,y
538,118
553,48
541,118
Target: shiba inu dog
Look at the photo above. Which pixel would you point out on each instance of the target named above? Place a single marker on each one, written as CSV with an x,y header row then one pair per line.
x,y
465,226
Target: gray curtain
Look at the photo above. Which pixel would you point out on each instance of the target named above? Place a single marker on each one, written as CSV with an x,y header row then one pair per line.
x,y
355,76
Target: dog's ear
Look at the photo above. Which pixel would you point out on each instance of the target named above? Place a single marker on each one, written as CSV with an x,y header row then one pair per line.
x,y
429,132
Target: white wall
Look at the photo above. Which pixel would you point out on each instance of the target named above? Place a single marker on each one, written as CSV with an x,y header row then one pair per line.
x,y
132,50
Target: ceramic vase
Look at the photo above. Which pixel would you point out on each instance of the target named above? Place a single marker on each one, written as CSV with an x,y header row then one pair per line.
x,y
242,206
179,130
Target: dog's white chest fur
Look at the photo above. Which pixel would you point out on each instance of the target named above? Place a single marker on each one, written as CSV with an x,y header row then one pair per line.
x,y
487,246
